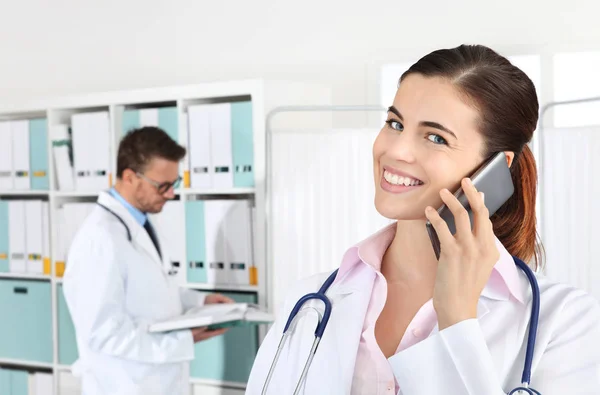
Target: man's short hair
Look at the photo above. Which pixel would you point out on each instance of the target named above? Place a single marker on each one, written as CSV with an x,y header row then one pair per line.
x,y
141,145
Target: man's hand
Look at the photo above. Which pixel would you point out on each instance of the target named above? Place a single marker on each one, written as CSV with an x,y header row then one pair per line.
x,y
217,298
203,333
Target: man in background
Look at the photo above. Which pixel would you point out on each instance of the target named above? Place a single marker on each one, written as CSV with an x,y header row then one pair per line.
x,y
119,280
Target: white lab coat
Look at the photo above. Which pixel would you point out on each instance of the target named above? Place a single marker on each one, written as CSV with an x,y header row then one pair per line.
x,y
483,356
114,288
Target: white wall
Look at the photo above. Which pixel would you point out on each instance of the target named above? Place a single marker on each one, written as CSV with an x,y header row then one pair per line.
x,y
72,46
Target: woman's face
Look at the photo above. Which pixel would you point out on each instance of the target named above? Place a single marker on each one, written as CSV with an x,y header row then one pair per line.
x,y
430,141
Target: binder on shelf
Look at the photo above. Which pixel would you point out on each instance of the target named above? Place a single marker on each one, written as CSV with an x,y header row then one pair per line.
x,y
163,117
183,138
38,149
20,154
219,242
129,121
195,241
6,165
170,225
4,237
67,344
5,381
27,305
71,217
238,242
17,241
34,228
242,144
101,150
41,383
199,146
19,382
91,150
168,120
60,255
149,117
220,144
63,157
46,238
214,227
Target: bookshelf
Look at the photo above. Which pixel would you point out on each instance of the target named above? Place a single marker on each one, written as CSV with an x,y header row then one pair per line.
x,y
264,95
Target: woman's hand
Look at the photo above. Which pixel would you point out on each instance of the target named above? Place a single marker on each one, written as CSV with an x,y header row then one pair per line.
x,y
466,258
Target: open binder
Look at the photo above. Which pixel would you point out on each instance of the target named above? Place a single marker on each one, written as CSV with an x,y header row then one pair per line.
x,y
215,316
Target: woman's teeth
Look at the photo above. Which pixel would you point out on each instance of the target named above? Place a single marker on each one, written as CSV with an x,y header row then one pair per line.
x,y
395,179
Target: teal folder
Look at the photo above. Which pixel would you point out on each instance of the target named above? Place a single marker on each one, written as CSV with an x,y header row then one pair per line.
x,y
168,121
130,121
38,154
67,343
26,304
228,357
19,382
242,144
5,382
195,241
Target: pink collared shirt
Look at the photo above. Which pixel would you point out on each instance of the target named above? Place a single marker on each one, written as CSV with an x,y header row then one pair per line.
x,y
373,374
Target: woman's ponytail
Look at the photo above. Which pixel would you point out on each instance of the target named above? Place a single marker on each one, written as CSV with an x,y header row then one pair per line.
x,y
515,222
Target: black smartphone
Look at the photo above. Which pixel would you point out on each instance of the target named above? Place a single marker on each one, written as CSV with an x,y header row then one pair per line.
x,y
493,179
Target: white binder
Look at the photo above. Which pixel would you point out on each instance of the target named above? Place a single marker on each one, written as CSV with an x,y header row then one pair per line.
x,y
34,236
74,216
82,158
238,241
62,163
199,146
170,225
214,227
91,150
60,223
41,383
220,144
6,170
148,117
17,238
45,232
101,150
20,157
183,137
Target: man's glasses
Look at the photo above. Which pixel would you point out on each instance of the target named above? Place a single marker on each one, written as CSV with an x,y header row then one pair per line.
x,y
161,187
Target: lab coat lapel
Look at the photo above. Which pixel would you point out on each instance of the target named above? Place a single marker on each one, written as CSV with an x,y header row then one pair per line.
x,y
139,236
143,239
336,355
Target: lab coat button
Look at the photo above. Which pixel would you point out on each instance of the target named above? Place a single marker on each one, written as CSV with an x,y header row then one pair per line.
x,y
416,332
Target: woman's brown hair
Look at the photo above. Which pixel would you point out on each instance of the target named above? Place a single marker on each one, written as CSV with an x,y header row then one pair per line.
x,y
508,105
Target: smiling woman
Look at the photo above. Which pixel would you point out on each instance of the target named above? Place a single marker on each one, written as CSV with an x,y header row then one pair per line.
x,y
400,321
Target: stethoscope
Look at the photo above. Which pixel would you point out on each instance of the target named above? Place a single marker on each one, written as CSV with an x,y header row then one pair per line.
x,y
171,272
320,295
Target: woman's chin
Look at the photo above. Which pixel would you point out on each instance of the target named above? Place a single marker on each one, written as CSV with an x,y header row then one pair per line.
x,y
392,212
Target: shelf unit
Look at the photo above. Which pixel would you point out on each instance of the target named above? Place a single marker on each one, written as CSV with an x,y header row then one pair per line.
x,y
264,95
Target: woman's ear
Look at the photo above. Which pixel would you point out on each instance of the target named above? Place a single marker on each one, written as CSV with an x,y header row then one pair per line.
x,y
509,157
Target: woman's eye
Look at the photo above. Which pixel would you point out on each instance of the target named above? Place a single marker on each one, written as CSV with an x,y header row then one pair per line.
x,y
395,125
437,139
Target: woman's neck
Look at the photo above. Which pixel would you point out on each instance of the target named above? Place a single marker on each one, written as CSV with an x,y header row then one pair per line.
x,y
410,259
